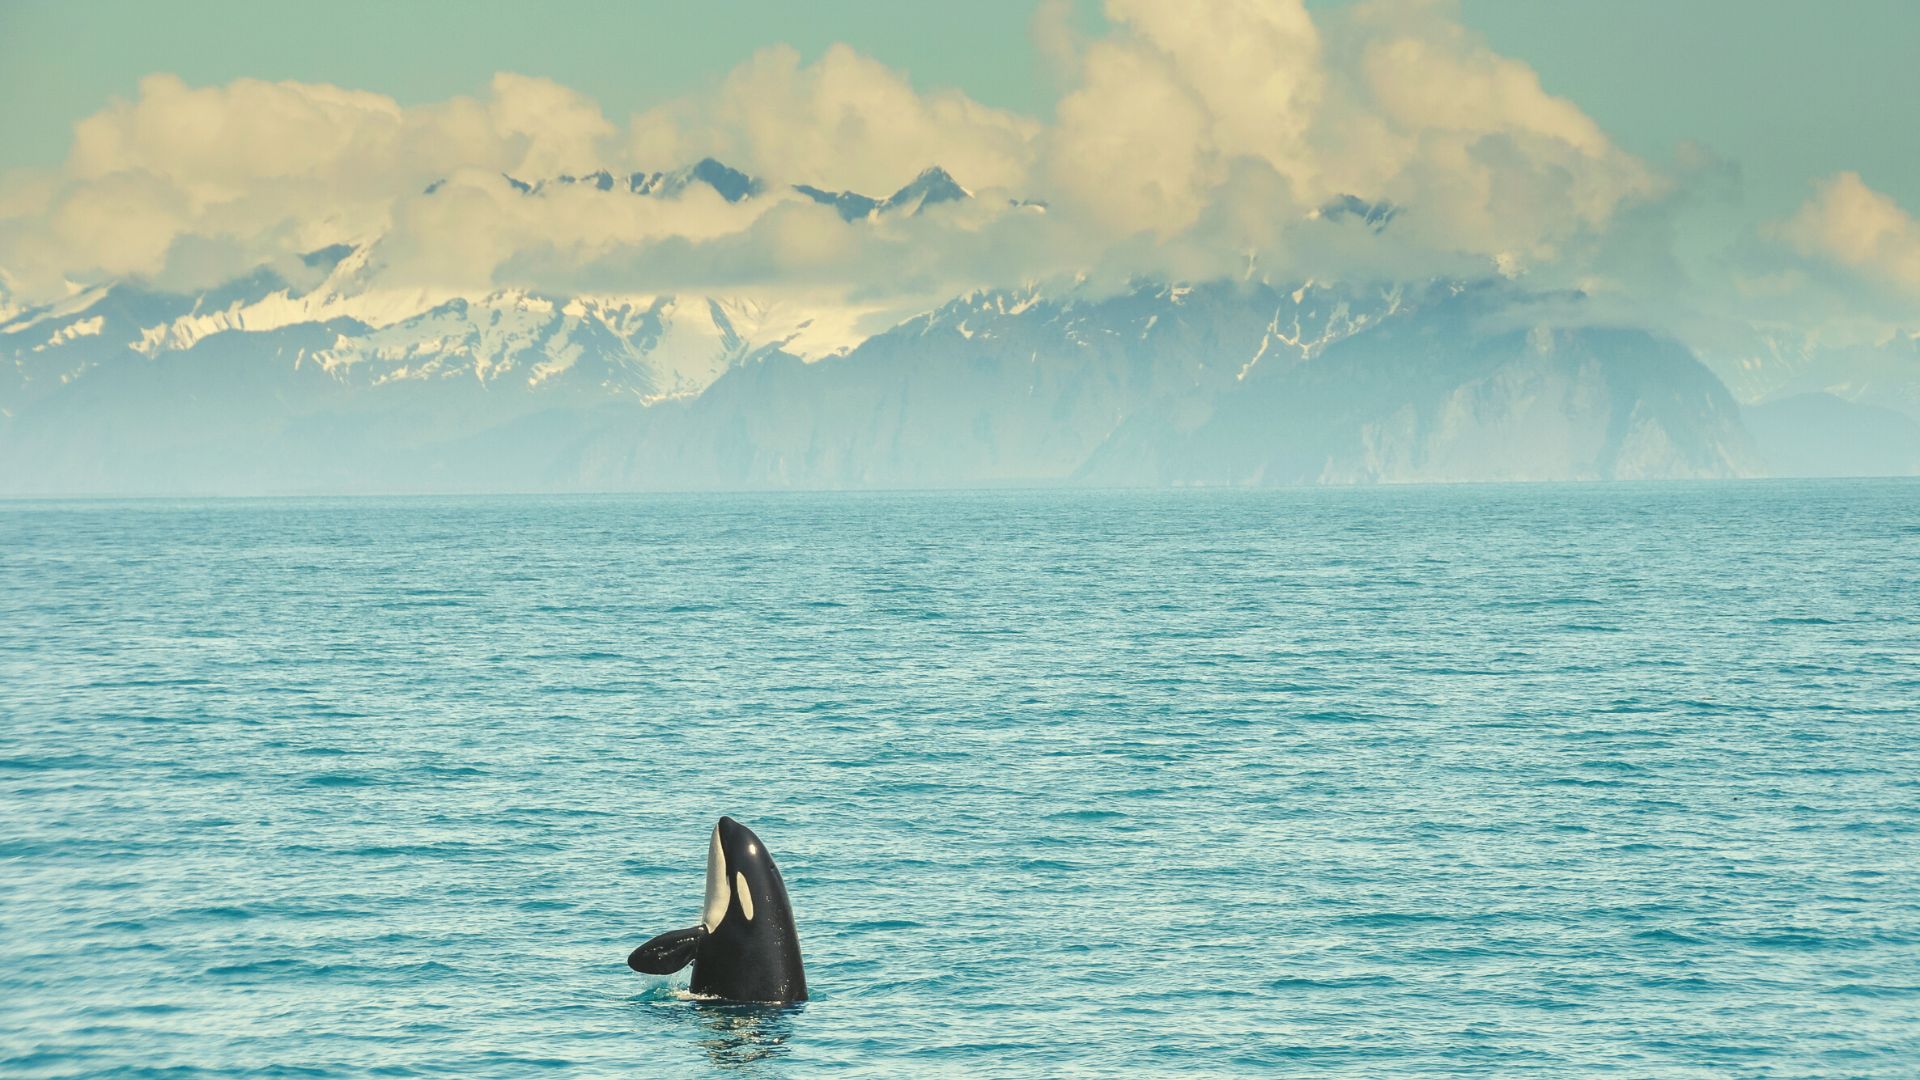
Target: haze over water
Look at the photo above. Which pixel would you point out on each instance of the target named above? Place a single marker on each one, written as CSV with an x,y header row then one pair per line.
x,y
1606,779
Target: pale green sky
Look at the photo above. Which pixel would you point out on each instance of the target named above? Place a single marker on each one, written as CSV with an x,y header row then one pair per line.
x,y
1789,90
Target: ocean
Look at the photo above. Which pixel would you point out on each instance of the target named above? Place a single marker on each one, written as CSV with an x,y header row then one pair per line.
x,y
1559,780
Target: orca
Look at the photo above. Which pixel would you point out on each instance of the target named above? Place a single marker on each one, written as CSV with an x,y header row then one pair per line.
x,y
745,948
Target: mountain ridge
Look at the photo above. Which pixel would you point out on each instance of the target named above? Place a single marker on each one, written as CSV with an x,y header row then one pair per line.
x,y
313,375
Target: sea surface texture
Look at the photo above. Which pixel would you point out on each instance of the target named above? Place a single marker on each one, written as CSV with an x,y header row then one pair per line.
x,y
1569,781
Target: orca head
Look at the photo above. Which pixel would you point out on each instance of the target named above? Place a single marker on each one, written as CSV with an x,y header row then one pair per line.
x,y
744,947
742,882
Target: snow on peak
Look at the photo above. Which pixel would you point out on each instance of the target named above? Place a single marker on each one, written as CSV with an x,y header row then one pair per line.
x,y
1374,215
934,185
729,183
851,205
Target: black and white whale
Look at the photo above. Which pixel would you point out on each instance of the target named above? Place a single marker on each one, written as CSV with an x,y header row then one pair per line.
x,y
745,948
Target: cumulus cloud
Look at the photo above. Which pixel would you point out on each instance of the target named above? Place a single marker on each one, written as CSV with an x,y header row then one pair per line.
x,y
476,223
1853,226
1387,100
1425,114
1186,143
1171,100
844,121
259,169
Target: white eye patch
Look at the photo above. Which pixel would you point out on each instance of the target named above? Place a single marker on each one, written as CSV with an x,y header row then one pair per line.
x,y
716,908
745,894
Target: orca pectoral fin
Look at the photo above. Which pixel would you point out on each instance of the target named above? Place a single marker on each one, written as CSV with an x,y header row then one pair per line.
x,y
667,953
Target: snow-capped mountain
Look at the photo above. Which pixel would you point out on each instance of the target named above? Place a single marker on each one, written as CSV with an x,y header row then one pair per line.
x,y
731,184
1226,383
644,347
358,333
317,376
932,187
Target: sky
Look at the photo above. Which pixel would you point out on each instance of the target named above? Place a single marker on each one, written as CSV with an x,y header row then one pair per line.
x,y
1791,90
1743,149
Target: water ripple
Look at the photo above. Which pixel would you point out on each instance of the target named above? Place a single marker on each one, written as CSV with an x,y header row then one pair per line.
x,y
1580,780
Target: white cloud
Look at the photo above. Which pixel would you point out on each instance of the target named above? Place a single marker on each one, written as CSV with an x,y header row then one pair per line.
x,y
843,122
1187,141
262,169
476,223
1385,100
1850,224
1429,116
560,129
1169,101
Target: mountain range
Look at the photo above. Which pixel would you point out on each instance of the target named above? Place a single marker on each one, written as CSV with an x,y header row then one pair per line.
x,y
315,376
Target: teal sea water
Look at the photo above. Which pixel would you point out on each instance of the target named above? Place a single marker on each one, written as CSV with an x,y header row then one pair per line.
x,y
1575,780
